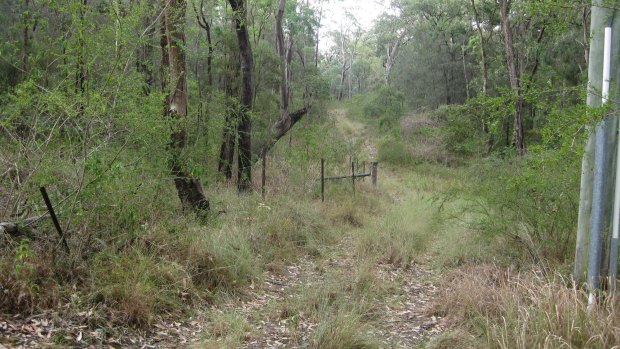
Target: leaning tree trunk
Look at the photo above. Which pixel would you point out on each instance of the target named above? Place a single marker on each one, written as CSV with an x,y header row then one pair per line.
x,y
244,127
174,84
285,51
515,84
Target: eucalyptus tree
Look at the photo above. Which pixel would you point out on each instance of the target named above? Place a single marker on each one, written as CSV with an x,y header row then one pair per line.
x,y
392,31
513,75
244,126
174,84
284,49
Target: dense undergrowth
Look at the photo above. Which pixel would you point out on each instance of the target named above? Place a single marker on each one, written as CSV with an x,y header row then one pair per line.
x,y
133,253
499,228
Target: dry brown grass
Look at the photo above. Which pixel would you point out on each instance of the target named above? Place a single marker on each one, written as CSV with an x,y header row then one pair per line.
x,y
508,310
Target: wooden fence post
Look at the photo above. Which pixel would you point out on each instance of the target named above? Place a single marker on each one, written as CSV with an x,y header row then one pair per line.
x,y
373,173
322,180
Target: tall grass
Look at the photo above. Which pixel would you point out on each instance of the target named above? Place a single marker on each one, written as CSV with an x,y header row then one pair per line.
x,y
407,226
506,309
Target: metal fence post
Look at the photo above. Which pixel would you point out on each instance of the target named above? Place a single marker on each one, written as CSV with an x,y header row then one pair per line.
x,y
263,179
322,180
353,175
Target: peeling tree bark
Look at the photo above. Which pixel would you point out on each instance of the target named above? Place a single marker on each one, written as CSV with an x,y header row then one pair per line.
x,y
174,84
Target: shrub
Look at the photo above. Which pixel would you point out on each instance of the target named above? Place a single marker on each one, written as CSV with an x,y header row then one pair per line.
x,y
531,202
383,107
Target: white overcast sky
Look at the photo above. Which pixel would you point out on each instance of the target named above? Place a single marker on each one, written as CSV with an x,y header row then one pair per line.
x,y
334,15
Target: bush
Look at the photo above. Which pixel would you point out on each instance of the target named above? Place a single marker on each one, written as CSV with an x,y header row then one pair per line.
x,y
462,125
384,107
531,202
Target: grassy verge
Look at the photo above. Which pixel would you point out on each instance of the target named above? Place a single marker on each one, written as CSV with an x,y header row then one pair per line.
x,y
494,307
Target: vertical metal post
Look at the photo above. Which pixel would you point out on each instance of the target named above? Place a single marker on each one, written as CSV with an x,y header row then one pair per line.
x,y
353,175
613,256
264,176
373,173
599,198
585,209
322,180
600,186
50,209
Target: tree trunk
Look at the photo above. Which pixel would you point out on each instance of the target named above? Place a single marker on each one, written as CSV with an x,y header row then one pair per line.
x,y
391,54
204,23
80,72
515,84
343,72
282,53
281,132
447,87
285,51
227,149
464,57
244,127
483,59
316,44
174,84
351,76
144,61
26,41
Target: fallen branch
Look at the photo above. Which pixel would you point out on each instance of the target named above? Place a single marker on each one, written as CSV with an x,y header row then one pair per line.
x,y
19,229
